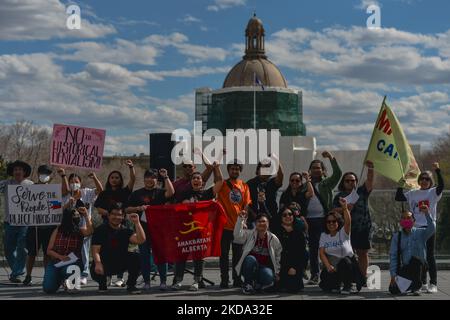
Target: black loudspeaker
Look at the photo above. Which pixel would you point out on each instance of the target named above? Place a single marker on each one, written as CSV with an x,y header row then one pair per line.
x,y
161,146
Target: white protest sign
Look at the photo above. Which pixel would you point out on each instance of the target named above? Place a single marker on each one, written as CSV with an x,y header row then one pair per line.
x,y
35,205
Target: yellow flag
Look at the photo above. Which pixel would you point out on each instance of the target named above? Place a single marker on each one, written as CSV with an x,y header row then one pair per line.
x,y
390,152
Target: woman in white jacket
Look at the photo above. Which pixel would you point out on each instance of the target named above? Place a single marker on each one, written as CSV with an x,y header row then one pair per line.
x,y
261,254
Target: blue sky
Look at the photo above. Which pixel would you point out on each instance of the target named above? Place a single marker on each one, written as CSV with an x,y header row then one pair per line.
x,y
134,65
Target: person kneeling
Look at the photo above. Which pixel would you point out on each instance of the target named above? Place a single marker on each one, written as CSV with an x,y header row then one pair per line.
x,y
65,240
110,250
408,251
261,255
336,254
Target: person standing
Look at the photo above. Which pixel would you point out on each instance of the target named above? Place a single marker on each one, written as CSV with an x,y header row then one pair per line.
x,y
76,195
150,195
15,236
317,206
38,236
361,221
234,196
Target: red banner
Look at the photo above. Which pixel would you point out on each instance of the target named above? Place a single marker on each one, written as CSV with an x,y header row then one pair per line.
x,y
182,232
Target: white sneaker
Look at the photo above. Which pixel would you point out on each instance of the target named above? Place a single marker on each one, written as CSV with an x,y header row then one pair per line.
x,y
425,288
432,288
176,286
83,281
194,286
119,283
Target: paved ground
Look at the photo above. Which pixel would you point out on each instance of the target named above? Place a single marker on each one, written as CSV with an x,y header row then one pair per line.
x,y
89,292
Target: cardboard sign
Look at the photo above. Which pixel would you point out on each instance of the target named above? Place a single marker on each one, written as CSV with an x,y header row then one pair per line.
x,y
35,205
77,147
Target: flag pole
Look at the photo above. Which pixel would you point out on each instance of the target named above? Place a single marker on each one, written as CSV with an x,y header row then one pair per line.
x,y
254,100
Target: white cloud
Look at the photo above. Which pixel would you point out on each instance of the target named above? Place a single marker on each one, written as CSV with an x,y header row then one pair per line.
x,y
43,20
364,4
386,56
122,52
190,19
225,4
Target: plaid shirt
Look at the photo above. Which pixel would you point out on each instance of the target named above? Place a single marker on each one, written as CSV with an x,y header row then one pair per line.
x,y
67,244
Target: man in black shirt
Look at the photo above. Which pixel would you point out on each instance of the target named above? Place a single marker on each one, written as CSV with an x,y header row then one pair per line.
x,y
110,249
264,186
150,194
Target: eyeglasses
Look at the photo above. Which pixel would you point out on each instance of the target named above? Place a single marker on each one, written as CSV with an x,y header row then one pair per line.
x,y
331,221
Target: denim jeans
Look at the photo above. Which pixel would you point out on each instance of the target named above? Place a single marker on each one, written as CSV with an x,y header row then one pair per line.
x,y
53,277
15,248
85,256
253,272
145,254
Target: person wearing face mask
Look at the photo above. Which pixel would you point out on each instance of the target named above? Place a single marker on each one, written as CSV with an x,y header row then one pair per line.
x,y
66,239
408,250
76,195
150,195
15,236
428,195
38,237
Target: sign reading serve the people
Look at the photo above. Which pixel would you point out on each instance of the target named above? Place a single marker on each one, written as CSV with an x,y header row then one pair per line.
x,y
77,147
34,205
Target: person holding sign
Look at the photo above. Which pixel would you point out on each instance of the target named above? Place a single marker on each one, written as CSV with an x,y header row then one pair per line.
x,y
15,236
110,249
38,236
408,251
75,195
197,193
139,200
428,195
336,253
66,241
359,210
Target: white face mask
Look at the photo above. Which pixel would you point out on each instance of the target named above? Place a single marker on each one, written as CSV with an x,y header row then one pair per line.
x,y
44,178
75,186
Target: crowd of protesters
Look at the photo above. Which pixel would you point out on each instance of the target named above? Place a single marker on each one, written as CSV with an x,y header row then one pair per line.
x,y
272,242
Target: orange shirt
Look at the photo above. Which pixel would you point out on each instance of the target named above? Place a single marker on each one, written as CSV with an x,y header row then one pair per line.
x,y
234,200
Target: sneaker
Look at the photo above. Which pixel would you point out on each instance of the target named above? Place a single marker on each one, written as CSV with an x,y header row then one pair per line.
x,y
432,288
133,290
346,291
248,289
119,283
83,281
27,281
163,286
237,283
416,293
193,287
176,286
314,280
146,286
15,280
355,289
305,276
425,288
224,284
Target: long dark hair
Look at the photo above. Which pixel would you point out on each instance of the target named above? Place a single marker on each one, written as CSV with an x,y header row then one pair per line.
x,y
108,185
73,176
341,184
289,189
68,227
